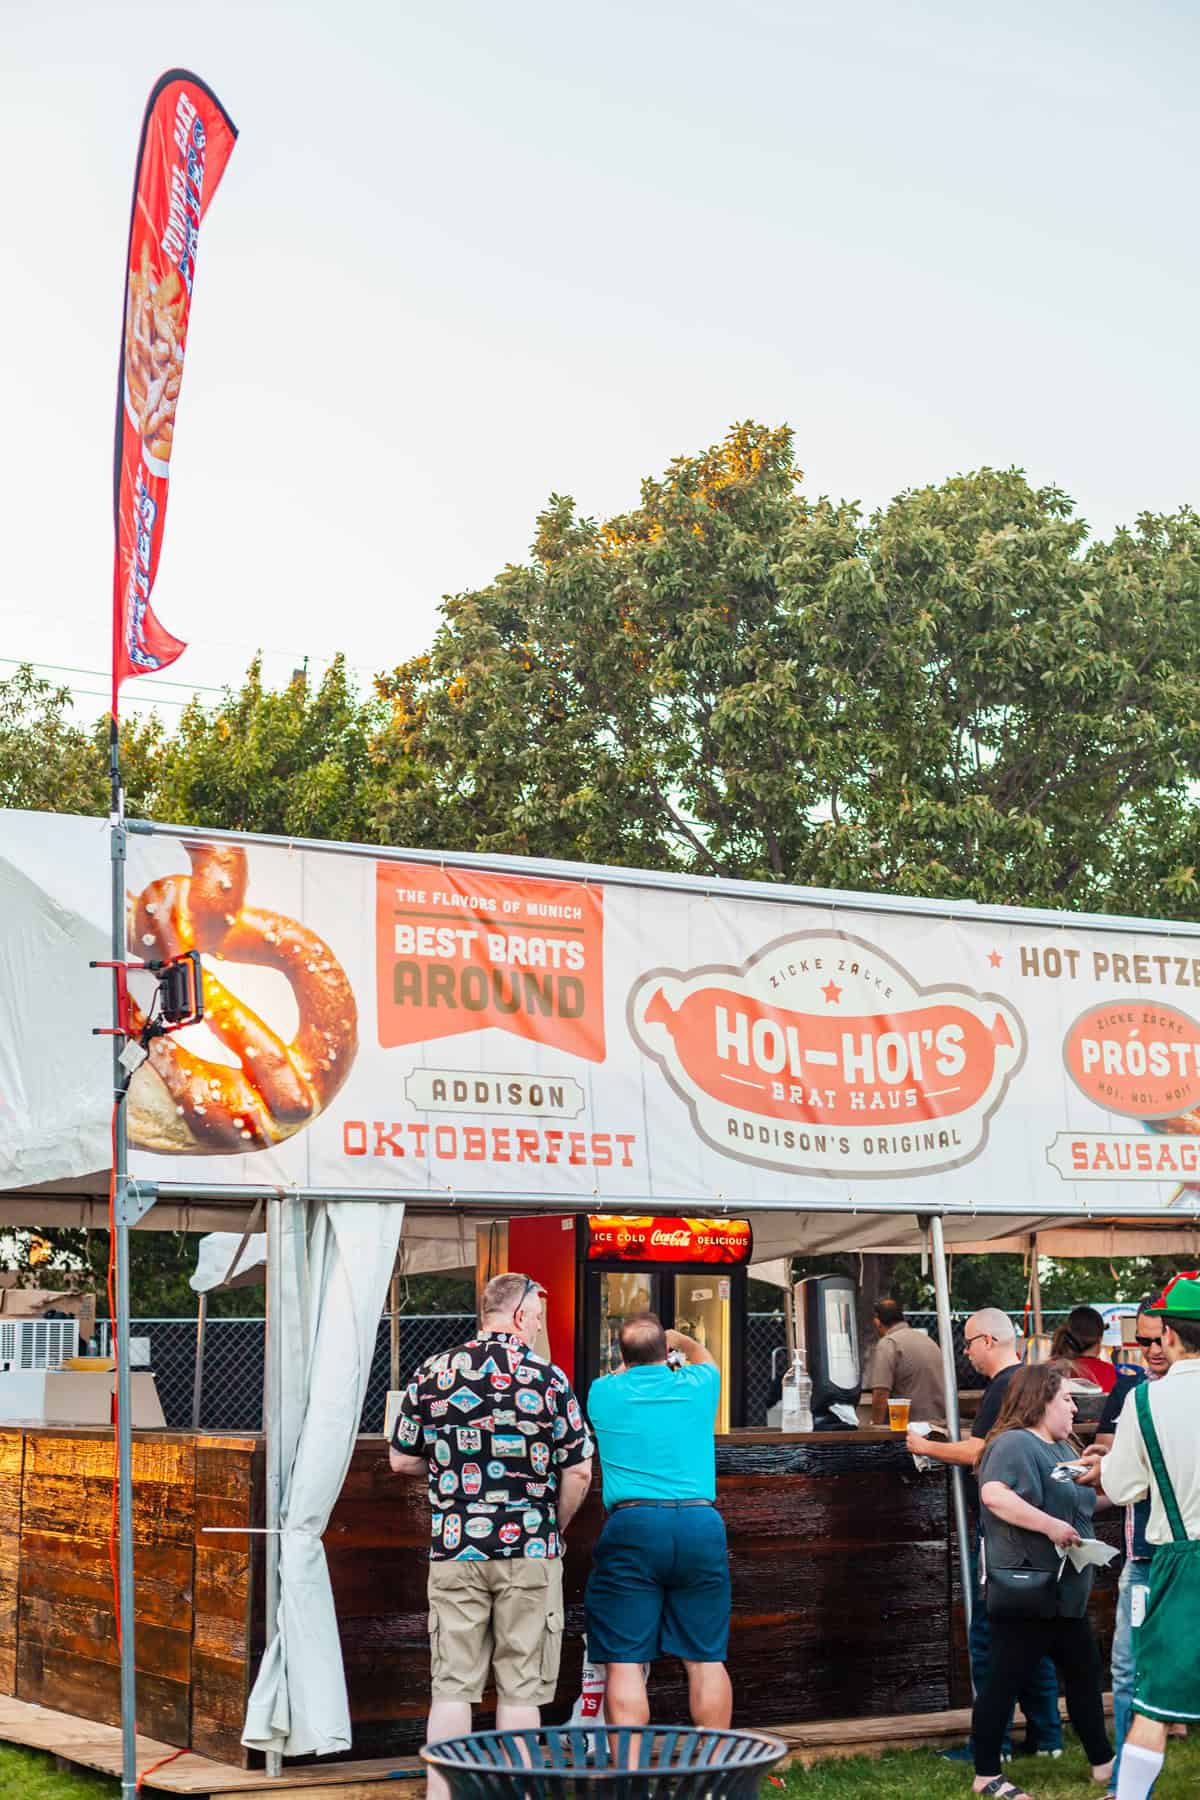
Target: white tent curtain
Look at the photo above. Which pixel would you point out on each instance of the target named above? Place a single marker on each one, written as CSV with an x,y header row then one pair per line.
x,y
226,1260
334,1280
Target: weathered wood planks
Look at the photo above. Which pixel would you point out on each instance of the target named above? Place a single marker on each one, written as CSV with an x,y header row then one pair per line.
x,y
67,1650
228,1492
12,1458
194,1593
89,1745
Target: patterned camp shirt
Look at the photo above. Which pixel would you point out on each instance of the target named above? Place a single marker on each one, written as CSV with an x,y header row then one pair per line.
x,y
498,1425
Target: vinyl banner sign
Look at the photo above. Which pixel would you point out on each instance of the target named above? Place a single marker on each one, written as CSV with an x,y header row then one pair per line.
x,y
619,1238
428,1028
187,139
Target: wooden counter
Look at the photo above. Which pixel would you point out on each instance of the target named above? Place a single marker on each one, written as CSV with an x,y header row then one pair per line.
x,y
844,1583
196,1595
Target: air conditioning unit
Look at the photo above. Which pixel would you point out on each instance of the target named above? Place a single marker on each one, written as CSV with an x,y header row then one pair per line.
x,y
37,1343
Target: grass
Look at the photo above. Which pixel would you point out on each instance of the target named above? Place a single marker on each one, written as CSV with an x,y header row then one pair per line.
x,y
921,1775
28,1775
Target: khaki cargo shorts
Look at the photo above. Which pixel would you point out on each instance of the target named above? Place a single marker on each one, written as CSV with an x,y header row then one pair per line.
x,y
504,1613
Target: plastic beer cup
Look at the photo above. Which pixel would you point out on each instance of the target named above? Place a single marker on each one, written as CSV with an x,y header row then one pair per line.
x,y
898,1415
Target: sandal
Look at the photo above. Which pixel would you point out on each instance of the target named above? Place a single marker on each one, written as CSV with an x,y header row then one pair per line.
x,y
1000,1788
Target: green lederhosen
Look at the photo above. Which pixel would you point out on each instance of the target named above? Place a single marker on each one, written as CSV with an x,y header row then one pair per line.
x,y
1167,1686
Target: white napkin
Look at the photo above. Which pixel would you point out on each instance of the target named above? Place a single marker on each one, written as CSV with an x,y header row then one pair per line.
x,y
1091,1552
923,1463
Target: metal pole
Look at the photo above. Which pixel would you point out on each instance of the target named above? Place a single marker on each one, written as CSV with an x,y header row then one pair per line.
x,y
394,1332
198,1377
1036,1288
941,1288
124,1433
272,1424
494,1204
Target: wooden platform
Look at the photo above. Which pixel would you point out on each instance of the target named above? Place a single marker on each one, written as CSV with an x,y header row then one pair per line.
x,y
99,1747
94,1746
823,1740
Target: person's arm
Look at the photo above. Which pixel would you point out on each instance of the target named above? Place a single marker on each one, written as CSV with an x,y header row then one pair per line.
x,y
1125,1471
689,1349
403,1458
573,1485
966,1453
1010,1507
573,1452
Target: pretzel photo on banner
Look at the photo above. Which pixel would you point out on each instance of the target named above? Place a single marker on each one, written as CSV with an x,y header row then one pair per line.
x,y
183,1104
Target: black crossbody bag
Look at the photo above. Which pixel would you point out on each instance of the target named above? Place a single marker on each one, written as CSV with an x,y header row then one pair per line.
x,y
1022,1593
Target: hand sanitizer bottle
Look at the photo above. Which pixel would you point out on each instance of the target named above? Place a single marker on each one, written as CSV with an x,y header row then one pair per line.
x,y
796,1397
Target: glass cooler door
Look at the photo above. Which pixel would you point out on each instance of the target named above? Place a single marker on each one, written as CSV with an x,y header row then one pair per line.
x,y
703,1312
622,1292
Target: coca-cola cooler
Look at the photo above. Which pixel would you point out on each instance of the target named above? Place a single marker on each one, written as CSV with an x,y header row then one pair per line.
x,y
599,1269
691,1272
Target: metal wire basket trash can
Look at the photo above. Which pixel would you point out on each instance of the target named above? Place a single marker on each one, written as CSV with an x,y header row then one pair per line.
x,y
627,1762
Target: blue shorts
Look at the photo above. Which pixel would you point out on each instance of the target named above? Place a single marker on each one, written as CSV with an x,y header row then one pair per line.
x,y
659,1586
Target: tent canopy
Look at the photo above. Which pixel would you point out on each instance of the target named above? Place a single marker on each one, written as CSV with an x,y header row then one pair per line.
x,y
439,1238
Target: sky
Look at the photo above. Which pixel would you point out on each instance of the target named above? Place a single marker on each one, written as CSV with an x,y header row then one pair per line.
x,y
468,255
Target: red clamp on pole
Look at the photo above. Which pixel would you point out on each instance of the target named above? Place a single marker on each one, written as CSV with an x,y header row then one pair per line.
x,y
121,970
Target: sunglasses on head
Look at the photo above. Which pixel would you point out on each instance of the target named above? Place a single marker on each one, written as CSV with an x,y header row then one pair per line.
x,y
531,1287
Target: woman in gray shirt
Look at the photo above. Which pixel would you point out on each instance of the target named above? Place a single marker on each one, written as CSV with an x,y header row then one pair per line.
x,y
1032,1519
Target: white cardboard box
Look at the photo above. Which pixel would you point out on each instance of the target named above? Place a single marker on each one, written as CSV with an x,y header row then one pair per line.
x,y
75,1397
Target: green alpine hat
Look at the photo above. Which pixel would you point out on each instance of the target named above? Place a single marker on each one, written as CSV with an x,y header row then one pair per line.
x,y
1180,1299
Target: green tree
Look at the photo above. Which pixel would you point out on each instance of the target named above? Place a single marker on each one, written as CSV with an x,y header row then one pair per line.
x,y
293,761
50,763
959,696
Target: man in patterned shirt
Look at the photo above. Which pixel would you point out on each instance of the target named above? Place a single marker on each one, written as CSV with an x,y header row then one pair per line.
x,y
502,1439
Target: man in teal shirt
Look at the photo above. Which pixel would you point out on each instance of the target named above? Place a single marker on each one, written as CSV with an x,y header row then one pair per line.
x,y
659,1584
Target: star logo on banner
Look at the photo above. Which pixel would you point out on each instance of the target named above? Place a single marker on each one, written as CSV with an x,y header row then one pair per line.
x,y
832,992
995,959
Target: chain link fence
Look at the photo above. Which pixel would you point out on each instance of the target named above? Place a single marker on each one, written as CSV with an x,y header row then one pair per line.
x,y
766,1347
232,1392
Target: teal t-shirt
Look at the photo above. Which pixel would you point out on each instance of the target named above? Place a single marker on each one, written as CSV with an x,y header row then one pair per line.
x,y
654,1431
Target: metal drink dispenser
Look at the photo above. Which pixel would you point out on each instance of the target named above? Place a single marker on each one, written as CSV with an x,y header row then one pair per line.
x,y
827,1333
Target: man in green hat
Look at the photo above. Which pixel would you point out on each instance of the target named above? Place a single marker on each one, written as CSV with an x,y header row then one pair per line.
x,y
1156,1451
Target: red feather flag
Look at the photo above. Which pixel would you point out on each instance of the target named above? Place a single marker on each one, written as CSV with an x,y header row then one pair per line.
x,y
187,139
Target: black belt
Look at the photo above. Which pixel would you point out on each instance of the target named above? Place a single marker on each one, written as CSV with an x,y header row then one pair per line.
x,y
621,1503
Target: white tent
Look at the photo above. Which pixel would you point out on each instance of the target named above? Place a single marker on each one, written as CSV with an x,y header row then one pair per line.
x,y
331,1250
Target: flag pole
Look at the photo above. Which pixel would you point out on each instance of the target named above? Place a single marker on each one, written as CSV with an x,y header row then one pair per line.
x,y
120,1225
186,141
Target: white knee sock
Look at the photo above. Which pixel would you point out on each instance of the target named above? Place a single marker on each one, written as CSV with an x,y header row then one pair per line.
x,y
1139,1772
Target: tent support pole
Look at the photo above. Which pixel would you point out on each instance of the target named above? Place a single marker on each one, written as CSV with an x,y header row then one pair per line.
x,y
125,1496
198,1377
272,1422
121,1209
1035,1286
394,1331
941,1288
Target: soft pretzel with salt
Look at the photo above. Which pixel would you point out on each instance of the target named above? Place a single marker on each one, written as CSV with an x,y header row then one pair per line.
x,y
184,1104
